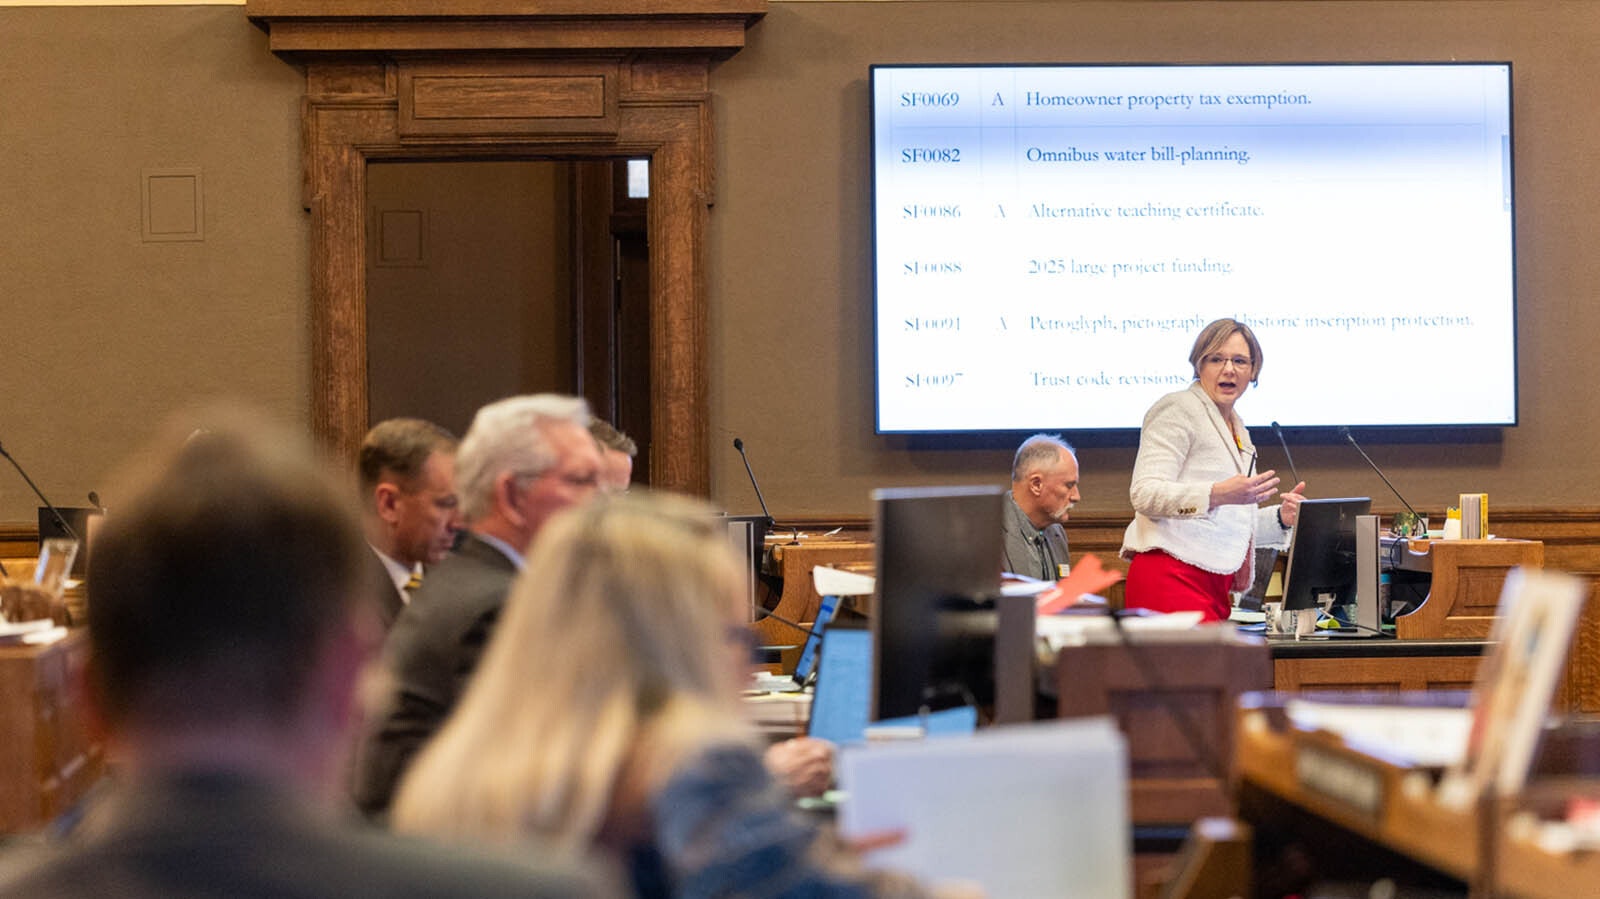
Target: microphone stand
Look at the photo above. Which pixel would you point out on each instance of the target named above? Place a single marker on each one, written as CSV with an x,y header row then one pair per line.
x,y
738,444
1276,429
54,512
1345,433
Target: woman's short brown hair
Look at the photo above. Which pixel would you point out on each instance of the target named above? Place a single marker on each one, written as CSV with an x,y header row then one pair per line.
x,y
1214,335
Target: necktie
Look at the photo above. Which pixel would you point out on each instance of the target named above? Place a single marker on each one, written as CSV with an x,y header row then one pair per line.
x,y
413,582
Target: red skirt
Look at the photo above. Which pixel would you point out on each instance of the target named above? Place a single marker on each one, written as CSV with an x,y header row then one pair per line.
x,y
1161,583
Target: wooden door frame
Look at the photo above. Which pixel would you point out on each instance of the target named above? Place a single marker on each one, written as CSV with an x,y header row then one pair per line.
x,y
528,79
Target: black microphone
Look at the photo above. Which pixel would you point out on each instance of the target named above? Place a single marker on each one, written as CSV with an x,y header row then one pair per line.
x,y
54,512
1285,444
1345,433
94,500
738,444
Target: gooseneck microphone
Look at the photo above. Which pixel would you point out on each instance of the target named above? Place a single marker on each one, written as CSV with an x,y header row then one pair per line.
x,y
54,512
738,444
94,500
1285,444
1345,433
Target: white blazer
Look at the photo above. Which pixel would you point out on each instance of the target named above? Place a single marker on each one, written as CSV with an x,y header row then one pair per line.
x,y
1184,448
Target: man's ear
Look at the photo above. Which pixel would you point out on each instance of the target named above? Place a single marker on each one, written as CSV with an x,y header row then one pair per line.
x,y
508,498
1036,483
386,500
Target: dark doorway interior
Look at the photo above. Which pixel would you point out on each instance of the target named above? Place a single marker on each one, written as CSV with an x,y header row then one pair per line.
x,y
491,278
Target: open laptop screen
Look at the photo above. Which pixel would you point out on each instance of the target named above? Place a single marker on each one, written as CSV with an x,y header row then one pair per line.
x,y
842,705
808,655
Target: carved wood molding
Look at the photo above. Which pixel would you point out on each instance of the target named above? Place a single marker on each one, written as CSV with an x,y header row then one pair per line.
x,y
401,79
302,28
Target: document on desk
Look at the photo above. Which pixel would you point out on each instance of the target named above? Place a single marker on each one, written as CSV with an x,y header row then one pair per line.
x,y
836,582
1028,810
1424,736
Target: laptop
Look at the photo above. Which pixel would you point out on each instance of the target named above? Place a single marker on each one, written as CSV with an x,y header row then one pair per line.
x,y
841,707
806,667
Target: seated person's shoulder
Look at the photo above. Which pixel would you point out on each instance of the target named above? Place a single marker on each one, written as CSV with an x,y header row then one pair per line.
x,y
412,866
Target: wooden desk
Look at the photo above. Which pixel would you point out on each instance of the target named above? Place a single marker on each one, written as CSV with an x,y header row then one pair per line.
x,y
46,761
1374,664
1363,816
1165,698
799,600
1465,590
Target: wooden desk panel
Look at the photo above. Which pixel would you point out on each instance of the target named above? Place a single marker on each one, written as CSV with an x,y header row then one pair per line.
x,y
1374,665
1375,674
1156,692
799,600
1465,594
46,761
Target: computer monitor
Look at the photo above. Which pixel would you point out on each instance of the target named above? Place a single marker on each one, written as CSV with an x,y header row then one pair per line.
x,y
939,552
1321,572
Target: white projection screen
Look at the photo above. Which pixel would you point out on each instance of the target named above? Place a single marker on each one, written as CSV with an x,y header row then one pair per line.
x,y
1049,239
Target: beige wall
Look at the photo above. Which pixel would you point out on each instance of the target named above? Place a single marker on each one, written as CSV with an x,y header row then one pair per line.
x,y
790,237
101,334
104,334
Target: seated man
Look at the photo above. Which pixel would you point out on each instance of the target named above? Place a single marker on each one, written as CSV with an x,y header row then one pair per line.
x,y
229,629
1044,485
409,503
522,460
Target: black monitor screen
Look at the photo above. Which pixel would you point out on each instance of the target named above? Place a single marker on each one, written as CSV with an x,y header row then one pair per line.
x,y
938,550
1322,554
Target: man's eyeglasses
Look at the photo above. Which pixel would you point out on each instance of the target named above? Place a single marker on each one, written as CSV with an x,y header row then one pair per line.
x,y
588,481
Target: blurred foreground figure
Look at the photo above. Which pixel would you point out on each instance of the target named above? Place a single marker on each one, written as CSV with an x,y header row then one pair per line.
x,y
229,630
644,756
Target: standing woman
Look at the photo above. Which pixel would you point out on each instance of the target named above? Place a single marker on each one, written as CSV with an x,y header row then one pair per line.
x,y
1195,491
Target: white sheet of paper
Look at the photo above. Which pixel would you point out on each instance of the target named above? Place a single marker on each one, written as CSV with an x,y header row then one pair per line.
x,y
834,582
1034,810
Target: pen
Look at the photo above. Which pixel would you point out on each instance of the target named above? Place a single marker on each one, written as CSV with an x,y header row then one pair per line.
x,y
1252,469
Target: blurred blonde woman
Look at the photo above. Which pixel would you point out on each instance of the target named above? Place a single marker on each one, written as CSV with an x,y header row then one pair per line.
x,y
605,717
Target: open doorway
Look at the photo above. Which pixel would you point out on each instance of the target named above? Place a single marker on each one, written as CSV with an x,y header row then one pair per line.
x,y
487,278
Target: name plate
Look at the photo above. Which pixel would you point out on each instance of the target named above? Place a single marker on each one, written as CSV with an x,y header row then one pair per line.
x,y
1353,784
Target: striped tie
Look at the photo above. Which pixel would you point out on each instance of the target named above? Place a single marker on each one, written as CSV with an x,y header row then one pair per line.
x,y
414,581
